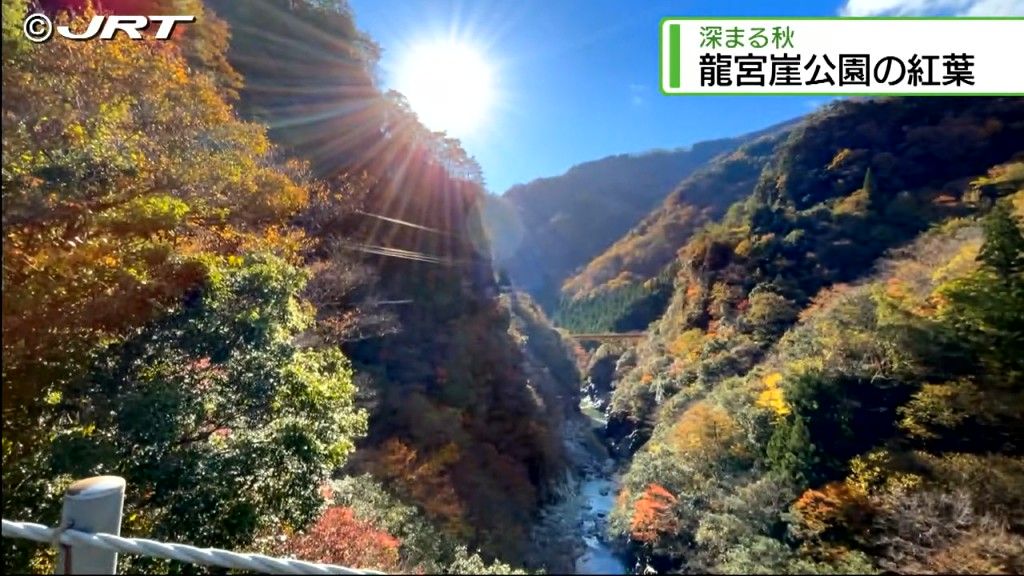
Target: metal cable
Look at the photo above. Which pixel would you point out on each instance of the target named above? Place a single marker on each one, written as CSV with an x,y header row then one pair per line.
x,y
180,552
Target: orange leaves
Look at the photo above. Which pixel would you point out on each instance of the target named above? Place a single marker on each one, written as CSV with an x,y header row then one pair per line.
x,y
425,478
659,492
825,298
652,514
152,165
838,506
341,538
707,432
896,288
687,345
394,457
743,248
839,160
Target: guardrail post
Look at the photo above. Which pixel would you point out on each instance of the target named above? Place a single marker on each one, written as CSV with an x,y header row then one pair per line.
x,y
91,505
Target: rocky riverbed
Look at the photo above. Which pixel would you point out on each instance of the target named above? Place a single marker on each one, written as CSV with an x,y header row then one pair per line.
x,y
571,534
597,494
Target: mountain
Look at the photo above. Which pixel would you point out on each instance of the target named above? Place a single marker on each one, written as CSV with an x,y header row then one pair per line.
x,y
835,373
850,182
547,228
627,286
700,198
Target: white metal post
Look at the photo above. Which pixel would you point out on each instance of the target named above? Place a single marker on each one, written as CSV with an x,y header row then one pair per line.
x,y
91,505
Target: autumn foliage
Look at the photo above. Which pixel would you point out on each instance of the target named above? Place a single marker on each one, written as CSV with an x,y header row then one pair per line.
x,y
652,514
424,478
338,537
865,298
836,507
707,432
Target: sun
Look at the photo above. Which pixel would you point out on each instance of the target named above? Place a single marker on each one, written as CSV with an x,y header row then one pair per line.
x,y
449,85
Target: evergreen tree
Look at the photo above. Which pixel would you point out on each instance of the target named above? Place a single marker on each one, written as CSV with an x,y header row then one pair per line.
x,y
1003,249
875,201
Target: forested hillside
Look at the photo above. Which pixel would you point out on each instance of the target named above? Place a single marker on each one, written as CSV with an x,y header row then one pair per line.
x,y
834,387
701,197
628,285
547,228
240,276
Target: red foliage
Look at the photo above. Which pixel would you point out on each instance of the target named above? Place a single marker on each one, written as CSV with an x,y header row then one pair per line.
x,y
835,510
652,515
341,538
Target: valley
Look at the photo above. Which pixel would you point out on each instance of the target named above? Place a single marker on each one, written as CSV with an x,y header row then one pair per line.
x,y
296,321
779,412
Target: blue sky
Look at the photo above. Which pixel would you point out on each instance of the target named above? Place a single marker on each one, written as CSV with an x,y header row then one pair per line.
x,y
577,80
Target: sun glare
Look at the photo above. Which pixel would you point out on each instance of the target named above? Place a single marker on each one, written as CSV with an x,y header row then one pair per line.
x,y
448,84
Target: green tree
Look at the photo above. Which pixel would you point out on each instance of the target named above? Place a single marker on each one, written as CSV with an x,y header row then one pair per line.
x,y
14,40
220,424
1003,249
834,418
790,451
985,310
875,201
151,301
769,314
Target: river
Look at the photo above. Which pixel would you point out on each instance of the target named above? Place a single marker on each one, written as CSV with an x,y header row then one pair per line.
x,y
571,533
597,491
598,495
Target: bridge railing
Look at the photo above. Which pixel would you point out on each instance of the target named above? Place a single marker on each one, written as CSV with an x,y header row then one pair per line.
x,y
88,539
607,336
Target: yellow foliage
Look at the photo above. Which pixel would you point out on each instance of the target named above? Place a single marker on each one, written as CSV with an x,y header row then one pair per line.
x,y
856,203
707,431
961,264
877,471
723,297
839,158
743,248
772,396
939,406
687,345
